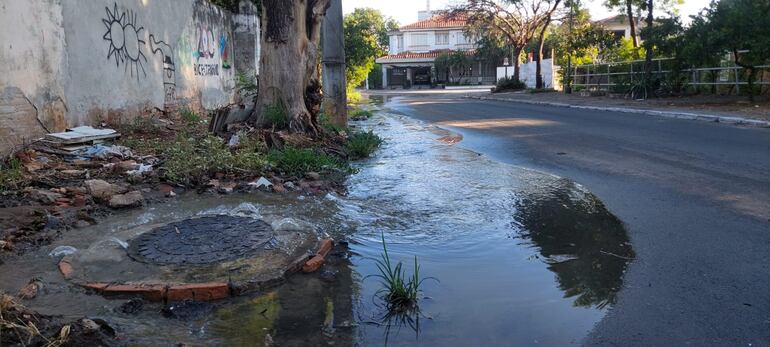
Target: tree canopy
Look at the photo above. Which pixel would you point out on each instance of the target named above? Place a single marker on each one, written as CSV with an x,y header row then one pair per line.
x,y
366,38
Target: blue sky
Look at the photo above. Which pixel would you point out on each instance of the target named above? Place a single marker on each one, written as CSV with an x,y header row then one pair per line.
x,y
405,11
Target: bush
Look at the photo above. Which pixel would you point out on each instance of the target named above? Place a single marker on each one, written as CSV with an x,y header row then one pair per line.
x,y
362,144
298,161
506,83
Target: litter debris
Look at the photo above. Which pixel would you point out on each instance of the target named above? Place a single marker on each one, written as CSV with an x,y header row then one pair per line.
x,y
103,152
62,251
80,135
261,182
141,170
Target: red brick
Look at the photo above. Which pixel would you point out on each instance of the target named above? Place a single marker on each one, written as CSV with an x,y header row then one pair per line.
x,y
198,291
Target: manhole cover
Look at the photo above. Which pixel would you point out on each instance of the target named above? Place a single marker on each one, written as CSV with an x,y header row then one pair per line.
x,y
201,241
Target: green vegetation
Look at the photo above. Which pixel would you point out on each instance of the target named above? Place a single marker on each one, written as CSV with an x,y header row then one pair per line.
x,y
366,38
11,174
192,160
360,114
189,116
362,144
453,66
509,84
296,162
399,290
277,116
246,85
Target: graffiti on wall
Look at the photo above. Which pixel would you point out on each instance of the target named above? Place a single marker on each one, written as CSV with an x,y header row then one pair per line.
x,y
169,68
125,38
205,52
224,51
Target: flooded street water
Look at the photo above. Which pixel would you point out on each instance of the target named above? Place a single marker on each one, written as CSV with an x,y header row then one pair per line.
x,y
520,257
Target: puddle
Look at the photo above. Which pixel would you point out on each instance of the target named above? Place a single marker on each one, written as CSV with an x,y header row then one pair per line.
x,y
522,257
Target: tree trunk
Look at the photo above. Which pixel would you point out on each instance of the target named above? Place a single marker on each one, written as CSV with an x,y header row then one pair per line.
x,y
539,59
632,23
516,56
648,51
289,74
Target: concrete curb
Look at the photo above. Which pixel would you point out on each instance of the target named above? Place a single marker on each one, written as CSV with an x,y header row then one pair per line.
x,y
667,114
206,291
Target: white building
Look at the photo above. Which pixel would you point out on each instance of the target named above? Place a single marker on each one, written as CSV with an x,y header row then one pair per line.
x,y
414,48
619,25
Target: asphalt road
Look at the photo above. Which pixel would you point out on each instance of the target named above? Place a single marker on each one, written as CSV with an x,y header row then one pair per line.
x,y
695,197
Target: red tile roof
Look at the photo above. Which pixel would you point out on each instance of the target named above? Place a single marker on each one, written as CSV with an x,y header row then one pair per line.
x,y
437,22
421,55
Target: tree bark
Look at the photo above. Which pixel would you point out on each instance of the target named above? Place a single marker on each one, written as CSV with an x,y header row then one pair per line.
x,y
516,56
289,74
648,51
539,58
632,23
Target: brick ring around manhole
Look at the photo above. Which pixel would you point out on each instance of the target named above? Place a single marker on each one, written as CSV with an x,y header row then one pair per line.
x,y
199,241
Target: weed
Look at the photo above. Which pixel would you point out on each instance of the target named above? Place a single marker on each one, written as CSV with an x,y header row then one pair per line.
x,y
297,161
147,125
362,144
400,292
190,160
11,174
189,116
360,114
327,124
276,115
246,85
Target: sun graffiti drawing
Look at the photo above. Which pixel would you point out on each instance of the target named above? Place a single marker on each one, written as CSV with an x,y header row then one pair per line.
x,y
125,40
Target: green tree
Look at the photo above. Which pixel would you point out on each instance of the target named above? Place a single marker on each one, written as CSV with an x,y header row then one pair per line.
x,y
366,38
453,64
738,27
578,41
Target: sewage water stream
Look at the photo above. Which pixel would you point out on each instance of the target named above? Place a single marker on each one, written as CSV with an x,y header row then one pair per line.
x,y
520,257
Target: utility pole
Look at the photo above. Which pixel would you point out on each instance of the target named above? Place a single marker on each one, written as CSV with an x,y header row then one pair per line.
x,y
333,61
568,87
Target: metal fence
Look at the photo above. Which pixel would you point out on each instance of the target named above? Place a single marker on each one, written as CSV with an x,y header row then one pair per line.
x,y
615,77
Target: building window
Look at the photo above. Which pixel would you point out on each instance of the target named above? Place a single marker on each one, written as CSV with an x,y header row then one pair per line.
x,y
442,38
419,40
463,40
400,43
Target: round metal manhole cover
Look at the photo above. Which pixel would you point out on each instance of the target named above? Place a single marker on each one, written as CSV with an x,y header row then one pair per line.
x,y
201,241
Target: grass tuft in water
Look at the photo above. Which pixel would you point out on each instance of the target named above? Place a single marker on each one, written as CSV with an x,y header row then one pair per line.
x,y
362,144
400,291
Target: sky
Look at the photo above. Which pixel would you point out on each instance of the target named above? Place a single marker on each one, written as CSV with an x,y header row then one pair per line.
x,y
405,11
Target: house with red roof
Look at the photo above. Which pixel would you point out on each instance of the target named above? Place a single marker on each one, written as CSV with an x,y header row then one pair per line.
x,y
415,47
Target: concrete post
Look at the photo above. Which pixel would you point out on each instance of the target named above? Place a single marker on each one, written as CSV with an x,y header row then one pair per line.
x,y
384,77
333,60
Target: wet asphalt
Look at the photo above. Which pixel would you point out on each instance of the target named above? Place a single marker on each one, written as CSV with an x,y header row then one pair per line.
x,y
694,196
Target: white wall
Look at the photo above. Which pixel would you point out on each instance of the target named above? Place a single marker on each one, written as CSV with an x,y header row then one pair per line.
x,y
527,73
76,62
